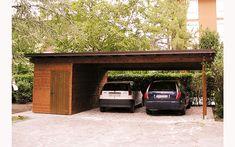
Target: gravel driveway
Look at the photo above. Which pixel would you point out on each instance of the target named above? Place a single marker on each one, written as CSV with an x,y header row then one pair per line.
x,y
118,128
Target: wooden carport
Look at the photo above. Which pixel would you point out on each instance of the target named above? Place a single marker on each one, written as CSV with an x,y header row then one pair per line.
x,y
67,83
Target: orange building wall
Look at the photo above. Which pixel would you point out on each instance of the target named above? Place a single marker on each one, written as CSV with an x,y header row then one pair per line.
x,y
207,14
41,86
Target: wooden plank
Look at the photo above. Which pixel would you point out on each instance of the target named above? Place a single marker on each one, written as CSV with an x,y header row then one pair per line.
x,y
59,92
124,59
204,91
87,82
42,85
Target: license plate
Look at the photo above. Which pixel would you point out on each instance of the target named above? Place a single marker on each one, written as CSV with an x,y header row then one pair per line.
x,y
161,96
114,95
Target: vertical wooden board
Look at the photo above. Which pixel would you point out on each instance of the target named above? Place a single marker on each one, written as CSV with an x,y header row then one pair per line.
x,y
41,89
42,85
87,83
204,91
59,92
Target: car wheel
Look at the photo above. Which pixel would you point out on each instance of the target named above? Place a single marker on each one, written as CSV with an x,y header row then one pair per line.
x,y
148,111
141,105
182,112
102,109
132,109
189,105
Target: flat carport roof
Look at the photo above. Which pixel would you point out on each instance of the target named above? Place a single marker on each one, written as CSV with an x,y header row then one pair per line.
x,y
138,60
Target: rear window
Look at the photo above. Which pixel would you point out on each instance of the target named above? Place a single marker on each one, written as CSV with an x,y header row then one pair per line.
x,y
162,86
116,87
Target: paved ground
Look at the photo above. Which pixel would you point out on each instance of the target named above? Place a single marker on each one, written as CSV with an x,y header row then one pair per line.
x,y
93,128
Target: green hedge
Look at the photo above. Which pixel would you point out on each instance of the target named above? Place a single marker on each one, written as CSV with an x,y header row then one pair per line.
x,y
25,86
25,83
143,80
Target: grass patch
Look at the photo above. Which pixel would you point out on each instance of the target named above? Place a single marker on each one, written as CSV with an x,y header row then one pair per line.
x,y
19,118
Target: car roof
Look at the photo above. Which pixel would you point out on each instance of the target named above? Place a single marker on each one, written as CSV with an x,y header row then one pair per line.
x,y
124,82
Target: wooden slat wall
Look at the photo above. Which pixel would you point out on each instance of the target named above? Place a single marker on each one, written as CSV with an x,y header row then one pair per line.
x,y
59,92
88,81
41,88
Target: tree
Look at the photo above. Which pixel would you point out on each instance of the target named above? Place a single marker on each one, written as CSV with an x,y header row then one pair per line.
x,y
218,74
210,40
90,25
167,24
93,25
102,26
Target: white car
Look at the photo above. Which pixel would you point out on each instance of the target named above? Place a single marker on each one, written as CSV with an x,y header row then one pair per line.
x,y
122,94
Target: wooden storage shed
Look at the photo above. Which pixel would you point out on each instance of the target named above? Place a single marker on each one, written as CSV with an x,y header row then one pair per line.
x,y
68,83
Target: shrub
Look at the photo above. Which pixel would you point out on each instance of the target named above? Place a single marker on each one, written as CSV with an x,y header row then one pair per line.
x,y
210,40
191,81
217,73
143,80
196,87
25,85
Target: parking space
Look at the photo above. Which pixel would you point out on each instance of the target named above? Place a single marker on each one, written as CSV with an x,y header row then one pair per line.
x,y
118,128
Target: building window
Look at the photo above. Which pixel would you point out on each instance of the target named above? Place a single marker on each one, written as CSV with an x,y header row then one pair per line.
x,y
192,10
220,8
220,29
193,28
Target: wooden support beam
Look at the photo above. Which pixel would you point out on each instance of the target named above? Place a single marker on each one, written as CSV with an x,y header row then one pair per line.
x,y
204,91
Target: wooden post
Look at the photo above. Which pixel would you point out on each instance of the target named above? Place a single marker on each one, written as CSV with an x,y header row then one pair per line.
x,y
204,91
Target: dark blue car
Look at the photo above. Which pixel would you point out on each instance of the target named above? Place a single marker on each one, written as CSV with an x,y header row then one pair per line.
x,y
166,95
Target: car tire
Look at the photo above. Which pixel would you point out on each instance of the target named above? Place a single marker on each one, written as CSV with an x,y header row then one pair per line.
x,y
182,112
141,104
189,105
148,111
132,109
102,109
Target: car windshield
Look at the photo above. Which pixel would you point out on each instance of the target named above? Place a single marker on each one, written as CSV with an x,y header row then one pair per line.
x,y
163,86
116,87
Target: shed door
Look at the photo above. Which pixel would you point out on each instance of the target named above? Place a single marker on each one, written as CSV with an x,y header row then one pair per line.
x,y
59,92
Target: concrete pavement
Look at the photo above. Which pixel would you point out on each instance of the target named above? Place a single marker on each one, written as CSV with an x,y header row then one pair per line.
x,y
118,128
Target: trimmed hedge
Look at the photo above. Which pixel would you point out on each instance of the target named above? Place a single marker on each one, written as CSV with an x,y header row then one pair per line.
x,y
143,80
25,85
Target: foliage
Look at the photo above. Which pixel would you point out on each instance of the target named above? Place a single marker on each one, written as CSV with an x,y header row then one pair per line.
x,y
167,24
210,40
196,87
91,25
192,81
19,118
217,70
108,27
143,80
25,85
